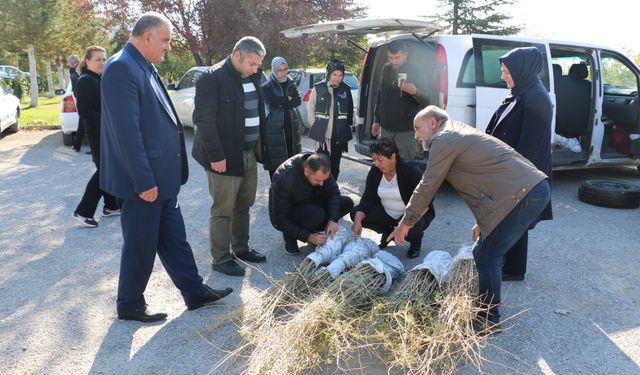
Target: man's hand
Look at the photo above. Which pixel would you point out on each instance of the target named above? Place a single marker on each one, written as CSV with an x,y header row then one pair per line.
x,y
219,166
149,195
475,232
409,88
375,129
332,228
317,238
399,233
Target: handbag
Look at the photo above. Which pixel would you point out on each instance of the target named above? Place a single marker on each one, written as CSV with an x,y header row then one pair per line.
x,y
319,129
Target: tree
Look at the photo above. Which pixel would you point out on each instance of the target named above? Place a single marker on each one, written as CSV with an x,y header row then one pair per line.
x,y
476,16
209,34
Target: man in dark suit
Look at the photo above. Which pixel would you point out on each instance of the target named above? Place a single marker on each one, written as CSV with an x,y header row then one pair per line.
x,y
144,162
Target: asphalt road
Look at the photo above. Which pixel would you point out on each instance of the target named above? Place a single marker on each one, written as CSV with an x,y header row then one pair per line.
x,y
577,312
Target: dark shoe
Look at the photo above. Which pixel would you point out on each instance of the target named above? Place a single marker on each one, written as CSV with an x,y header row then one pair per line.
x,y
229,267
510,277
383,240
76,149
88,152
251,256
291,247
87,222
142,316
414,251
209,296
109,213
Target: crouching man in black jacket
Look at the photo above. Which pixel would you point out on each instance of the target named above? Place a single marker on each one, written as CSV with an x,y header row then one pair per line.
x,y
305,202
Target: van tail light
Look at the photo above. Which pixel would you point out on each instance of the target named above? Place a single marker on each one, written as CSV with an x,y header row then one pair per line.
x,y
307,96
440,77
68,105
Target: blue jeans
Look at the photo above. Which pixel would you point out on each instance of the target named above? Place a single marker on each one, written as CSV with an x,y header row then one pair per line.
x,y
488,251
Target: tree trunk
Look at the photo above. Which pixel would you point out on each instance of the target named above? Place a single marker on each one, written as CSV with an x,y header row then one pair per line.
x,y
62,82
52,92
456,17
34,75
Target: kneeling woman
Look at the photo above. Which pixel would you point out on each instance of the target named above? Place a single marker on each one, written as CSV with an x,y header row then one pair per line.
x,y
388,189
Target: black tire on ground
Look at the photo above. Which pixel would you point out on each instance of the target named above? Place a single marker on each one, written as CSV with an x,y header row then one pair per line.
x,y
14,128
609,193
67,139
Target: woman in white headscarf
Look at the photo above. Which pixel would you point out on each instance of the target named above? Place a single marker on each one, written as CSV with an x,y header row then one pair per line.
x,y
281,96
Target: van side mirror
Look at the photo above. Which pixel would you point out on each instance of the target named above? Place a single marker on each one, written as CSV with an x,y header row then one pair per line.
x,y
171,86
60,92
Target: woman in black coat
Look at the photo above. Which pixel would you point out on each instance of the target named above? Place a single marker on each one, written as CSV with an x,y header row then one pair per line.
x,y
523,121
89,108
283,133
387,191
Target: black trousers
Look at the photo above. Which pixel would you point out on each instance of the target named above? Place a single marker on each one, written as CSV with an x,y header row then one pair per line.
x,y
92,193
515,260
79,135
335,156
378,220
313,216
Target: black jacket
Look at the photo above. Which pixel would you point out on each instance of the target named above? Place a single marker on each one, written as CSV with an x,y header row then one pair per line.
x,y
342,112
218,116
395,111
73,75
526,125
291,188
408,177
87,94
280,113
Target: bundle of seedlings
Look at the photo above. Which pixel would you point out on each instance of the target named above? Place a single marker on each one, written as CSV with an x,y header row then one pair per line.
x,y
402,325
453,338
354,252
276,302
323,329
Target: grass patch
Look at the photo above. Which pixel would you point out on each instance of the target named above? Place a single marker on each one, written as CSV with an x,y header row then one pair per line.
x,y
47,113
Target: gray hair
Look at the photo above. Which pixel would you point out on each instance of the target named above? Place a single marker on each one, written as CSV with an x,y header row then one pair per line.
x,y
432,111
250,44
73,59
150,21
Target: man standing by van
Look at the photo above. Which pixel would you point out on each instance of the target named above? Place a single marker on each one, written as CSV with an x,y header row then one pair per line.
x,y
402,94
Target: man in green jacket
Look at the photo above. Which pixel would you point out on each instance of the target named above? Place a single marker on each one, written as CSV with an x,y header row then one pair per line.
x,y
505,192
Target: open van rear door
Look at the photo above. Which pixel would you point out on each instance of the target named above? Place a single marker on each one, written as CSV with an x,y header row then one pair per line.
x,y
490,89
363,26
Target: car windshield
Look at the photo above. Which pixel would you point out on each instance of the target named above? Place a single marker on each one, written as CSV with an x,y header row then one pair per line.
x,y
350,80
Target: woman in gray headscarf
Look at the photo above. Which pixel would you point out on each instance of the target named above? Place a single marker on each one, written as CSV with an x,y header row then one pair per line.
x,y
281,94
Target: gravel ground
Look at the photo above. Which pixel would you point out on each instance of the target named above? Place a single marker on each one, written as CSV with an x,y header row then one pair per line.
x,y
578,311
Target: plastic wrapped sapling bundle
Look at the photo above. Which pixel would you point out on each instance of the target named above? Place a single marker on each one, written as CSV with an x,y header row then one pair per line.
x,y
323,329
275,302
454,338
403,323
354,252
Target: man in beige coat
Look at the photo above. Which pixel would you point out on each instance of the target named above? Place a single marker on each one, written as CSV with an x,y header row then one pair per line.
x,y
505,192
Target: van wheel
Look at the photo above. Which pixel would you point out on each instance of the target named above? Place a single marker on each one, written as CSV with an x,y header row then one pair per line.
x,y
608,193
67,139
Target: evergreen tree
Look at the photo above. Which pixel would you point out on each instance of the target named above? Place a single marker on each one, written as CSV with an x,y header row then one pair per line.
x,y
476,16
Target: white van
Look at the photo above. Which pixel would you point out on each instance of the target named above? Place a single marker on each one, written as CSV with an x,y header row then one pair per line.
x,y
592,87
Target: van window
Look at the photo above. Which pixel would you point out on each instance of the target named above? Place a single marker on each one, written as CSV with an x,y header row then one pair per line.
x,y
467,76
488,51
617,77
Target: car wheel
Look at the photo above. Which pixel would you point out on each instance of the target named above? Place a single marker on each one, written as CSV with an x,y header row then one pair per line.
x,y
608,193
14,128
67,139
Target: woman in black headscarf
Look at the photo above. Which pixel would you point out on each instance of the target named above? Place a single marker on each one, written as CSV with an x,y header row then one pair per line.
x,y
283,135
523,121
